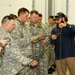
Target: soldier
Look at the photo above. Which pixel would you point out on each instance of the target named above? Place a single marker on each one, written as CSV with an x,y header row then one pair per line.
x,y
40,17
62,36
21,35
48,27
38,42
12,59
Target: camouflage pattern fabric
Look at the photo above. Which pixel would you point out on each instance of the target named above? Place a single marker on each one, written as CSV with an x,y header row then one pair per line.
x,y
38,50
22,37
50,47
12,59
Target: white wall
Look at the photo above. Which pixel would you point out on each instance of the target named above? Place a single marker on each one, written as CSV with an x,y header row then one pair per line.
x,y
71,11
59,6
12,6
42,7
65,6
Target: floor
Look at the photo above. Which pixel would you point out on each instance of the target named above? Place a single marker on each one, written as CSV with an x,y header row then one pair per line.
x,y
55,73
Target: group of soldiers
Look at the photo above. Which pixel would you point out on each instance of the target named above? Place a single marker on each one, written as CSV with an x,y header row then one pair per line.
x,y
25,47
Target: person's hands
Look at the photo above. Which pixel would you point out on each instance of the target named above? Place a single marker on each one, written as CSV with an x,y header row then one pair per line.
x,y
33,40
61,25
54,37
43,42
33,63
4,42
42,37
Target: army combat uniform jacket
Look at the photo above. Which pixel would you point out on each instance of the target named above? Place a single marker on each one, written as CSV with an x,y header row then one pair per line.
x,y
12,59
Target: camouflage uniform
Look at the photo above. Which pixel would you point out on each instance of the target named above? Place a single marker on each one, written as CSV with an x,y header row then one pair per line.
x,y
22,37
12,59
50,47
41,24
38,50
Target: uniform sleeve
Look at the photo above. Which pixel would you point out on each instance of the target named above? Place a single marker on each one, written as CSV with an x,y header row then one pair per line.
x,y
12,52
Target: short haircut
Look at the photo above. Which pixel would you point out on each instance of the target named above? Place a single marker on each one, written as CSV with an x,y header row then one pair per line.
x,y
22,10
34,11
6,19
52,17
40,15
13,15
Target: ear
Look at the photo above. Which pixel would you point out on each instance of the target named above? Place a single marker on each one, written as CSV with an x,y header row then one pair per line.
x,y
6,24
